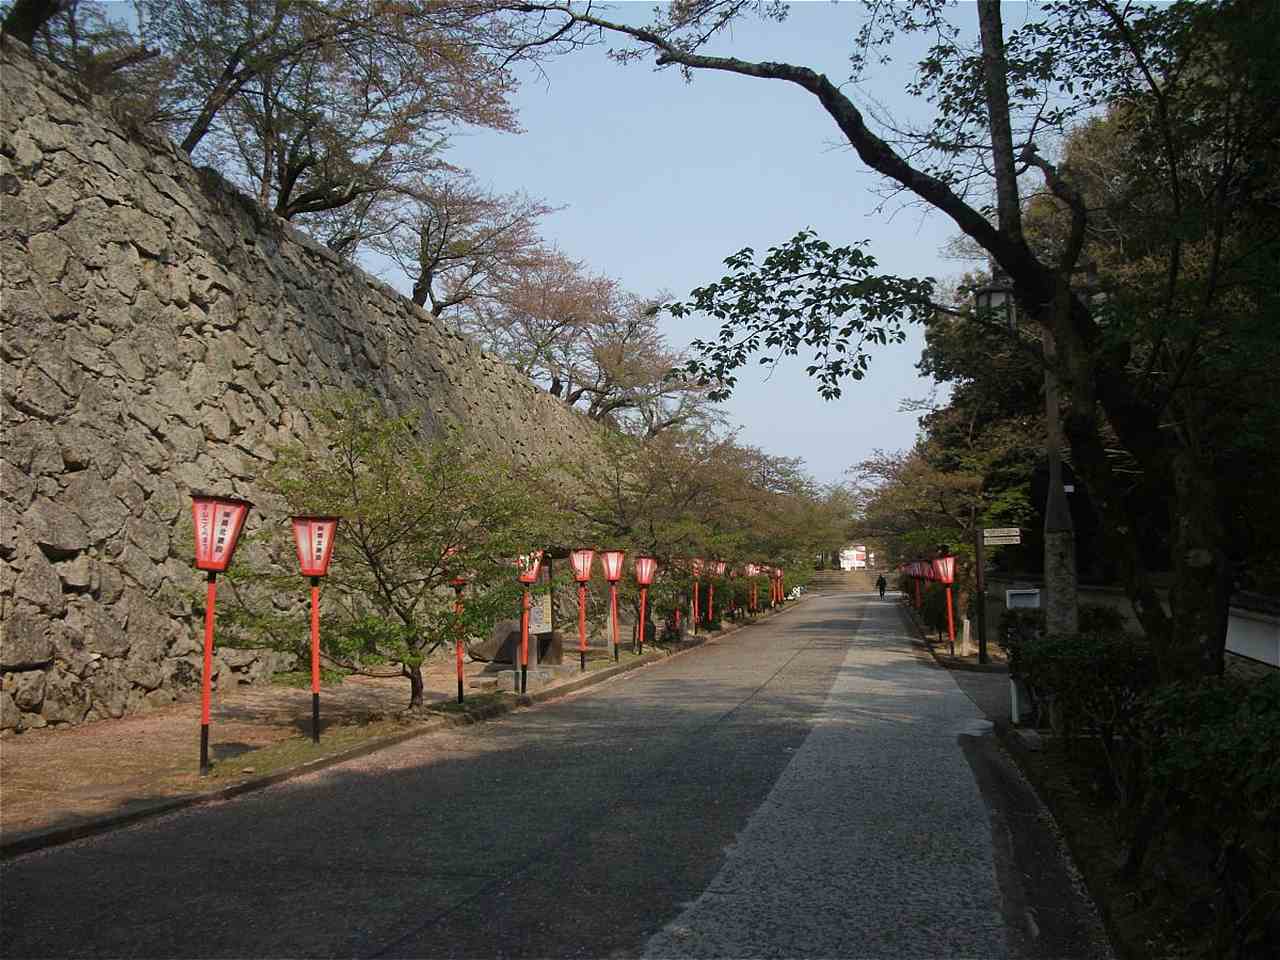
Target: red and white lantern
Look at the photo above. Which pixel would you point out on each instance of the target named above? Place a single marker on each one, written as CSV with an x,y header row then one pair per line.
x,y
611,560
943,569
313,536
527,569
582,559
646,569
218,522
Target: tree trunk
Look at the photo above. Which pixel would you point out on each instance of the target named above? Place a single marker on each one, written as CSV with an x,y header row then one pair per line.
x,y
28,16
1061,613
414,674
1200,599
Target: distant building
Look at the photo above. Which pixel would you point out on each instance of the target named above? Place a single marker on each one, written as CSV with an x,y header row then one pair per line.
x,y
853,558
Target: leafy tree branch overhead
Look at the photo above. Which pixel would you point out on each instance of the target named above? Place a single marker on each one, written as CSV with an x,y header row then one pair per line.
x,y
1190,88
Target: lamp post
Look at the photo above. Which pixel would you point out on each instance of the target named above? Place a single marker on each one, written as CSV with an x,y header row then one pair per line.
x,y
313,536
612,561
459,584
528,567
217,522
582,559
752,571
782,597
944,571
1061,612
646,567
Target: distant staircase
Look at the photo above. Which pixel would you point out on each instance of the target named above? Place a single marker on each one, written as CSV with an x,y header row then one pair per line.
x,y
843,581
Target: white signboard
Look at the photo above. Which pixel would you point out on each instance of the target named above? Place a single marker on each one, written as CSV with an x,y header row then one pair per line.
x,y
996,536
540,614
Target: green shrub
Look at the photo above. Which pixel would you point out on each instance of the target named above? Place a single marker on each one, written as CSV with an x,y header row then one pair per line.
x,y
933,608
1019,625
1211,774
1095,680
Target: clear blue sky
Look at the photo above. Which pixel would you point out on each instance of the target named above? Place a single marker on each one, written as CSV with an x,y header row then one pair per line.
x,y
663,179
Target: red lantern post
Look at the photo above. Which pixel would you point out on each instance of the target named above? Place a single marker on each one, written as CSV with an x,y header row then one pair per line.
x,y
782,594
612,561
459,584
944,571
528,567
717,567
696,566
646,567
313,536
582,558
217,522
917,575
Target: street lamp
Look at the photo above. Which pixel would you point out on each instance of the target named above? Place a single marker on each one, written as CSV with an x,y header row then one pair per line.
x,y
528,567
996,298
646,567
582,559
944,571
313,536
217,522
612,560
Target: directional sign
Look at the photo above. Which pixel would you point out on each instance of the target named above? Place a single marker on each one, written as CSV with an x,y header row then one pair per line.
x,y
998,536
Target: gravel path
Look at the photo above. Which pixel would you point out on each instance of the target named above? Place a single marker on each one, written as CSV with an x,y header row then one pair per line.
x,y
875,841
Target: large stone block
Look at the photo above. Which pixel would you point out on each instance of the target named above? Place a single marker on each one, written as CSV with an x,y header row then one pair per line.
x,y
55,529
102,634
10,716
66,697
24,642
38,584
90,497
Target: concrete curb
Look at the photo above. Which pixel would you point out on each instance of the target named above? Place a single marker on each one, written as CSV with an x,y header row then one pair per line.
x,y
35,840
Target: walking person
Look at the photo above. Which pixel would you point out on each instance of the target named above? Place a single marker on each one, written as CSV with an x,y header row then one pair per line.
x,y
881,583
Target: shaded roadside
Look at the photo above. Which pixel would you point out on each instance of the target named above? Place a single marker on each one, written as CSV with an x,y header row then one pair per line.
x,y
62,784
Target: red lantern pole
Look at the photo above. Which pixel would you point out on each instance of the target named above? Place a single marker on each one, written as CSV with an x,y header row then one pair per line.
x,y
613,615
582,560
612,561
646,567
944,570
206,676
528,575
524,642
217,522
313,536
696,566
458,585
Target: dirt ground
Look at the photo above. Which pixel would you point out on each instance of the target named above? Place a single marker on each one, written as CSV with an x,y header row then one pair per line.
x,y
53,776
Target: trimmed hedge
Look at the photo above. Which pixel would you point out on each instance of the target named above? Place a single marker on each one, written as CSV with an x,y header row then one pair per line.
x,y
1194,767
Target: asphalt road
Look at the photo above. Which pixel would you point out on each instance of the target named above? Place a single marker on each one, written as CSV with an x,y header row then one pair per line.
x,y
805,787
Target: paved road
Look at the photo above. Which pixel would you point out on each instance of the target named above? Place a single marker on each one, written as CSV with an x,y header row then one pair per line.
x,y
801,788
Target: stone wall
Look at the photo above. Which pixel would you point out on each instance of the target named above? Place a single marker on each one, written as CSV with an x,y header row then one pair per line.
x,y
158,331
